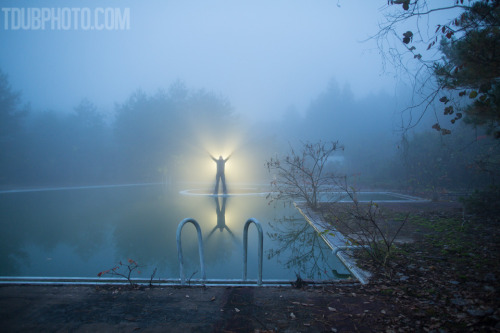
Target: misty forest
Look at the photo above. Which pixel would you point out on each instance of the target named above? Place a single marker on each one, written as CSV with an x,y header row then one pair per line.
x,y
372,140
152,137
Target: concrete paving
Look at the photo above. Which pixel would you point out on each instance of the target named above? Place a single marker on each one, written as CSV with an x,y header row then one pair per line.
x,y
40,308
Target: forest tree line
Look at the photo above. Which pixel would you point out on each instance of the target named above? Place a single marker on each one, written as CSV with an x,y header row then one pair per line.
x,y
143,141
148,136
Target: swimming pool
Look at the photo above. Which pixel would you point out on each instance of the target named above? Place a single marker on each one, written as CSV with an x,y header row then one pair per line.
x,y
78,232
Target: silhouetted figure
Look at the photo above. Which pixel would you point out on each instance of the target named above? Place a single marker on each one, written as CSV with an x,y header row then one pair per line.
x,y
220,177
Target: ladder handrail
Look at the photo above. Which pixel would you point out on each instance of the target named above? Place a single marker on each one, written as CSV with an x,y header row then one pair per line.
x,y
200,249
260,248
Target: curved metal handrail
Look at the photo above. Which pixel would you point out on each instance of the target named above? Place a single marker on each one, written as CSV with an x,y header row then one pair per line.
x,y
245,247
200,249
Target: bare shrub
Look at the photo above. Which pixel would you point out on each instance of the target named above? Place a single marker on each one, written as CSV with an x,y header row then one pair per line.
x,y
302,175
364,223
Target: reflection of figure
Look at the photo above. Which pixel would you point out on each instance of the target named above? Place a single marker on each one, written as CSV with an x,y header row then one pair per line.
x,y
220,174
221,216
221,213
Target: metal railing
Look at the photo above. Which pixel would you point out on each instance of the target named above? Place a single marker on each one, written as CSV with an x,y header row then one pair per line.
x,y
202,257
260,248
200,249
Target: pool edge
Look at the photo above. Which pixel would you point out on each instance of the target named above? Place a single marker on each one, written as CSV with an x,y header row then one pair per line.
x,y
81,281
336,243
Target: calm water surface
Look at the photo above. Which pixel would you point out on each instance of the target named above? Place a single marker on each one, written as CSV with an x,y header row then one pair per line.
x,y
80,232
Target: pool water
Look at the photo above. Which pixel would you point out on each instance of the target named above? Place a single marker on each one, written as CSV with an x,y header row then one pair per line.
x,y
81,232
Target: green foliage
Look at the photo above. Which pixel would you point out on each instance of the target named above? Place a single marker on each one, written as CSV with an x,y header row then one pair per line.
x,y
471,63
449,237
467,68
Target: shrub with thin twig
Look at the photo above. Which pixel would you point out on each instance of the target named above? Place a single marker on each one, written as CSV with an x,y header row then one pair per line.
x,y
365,224
130,267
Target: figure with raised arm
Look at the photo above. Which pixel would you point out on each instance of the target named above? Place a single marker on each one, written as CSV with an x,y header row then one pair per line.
x,y
220,177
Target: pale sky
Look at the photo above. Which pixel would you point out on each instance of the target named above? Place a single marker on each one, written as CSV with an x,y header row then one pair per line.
x,y
264,56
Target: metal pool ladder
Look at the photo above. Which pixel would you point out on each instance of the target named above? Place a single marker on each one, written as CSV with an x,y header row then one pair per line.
x,y
202,257
245,247
200,249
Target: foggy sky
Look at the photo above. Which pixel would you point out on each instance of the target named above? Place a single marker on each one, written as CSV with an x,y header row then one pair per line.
x,y
264,56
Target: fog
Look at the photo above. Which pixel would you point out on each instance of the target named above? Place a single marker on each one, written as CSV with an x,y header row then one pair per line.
x,y
113,115
262,56
152,97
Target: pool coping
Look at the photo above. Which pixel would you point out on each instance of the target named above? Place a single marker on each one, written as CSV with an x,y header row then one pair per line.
x,y
335,240
404,198
83,281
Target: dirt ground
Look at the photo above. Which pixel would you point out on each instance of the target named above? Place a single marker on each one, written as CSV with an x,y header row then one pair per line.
x,y
446,280
195,309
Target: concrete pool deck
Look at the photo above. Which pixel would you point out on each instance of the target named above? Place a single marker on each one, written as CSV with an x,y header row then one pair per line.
x,y
339,244
31,308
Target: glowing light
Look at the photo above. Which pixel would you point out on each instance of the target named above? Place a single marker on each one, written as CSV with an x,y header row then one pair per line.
x,y
195,165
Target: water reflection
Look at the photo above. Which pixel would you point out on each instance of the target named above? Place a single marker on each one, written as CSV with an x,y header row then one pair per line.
x,y
300,248
82,232
36,223
220,210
